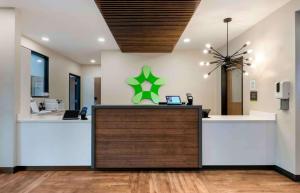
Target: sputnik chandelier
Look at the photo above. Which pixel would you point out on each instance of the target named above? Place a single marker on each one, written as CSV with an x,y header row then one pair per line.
x,y
230,62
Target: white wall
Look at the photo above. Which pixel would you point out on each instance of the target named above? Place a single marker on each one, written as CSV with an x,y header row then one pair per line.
x,y
297,93
180,69
59,69
25,89
88,72
273,41
9,69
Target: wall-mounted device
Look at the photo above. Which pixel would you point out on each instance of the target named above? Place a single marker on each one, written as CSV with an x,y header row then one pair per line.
x,y
282,92
189,99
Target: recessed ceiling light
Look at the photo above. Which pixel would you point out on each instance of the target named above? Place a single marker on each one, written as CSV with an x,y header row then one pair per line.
x,y
45,39
101,39
93,61
187,40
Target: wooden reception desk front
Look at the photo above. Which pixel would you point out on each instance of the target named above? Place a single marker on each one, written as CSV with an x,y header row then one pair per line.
x,y
146,137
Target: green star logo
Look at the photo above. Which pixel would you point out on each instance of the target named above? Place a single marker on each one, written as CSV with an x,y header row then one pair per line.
x,y
137,82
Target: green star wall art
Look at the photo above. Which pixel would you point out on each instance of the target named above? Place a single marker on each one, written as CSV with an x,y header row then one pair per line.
x,y
137,84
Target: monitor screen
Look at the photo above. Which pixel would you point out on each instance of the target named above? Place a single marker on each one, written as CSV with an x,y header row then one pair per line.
x,y
173,100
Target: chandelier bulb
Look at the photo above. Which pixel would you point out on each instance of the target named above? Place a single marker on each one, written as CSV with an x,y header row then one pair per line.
x,y
208,46
207,63
205,76
246,73
201,63
248,43
205,51
249,51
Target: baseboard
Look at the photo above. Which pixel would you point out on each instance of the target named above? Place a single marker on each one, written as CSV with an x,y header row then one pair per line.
x,y
53,168
288,174
278,169
9,170
238,167
212,167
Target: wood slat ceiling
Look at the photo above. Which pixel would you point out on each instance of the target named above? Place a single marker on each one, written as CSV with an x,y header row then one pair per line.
x,y
150,26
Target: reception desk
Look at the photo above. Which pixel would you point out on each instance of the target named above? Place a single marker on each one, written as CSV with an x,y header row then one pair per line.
x,y
47,140
146,137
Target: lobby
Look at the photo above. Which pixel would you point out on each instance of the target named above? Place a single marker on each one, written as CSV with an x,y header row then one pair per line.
x,y
150,96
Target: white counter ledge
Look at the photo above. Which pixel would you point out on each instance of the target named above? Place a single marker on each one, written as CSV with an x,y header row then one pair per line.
x,y
47,140
239,140
253,116
50,118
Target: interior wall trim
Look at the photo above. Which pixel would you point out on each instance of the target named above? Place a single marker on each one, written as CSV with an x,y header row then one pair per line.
x,y
9,170
288,174
53,168
238,167
278,169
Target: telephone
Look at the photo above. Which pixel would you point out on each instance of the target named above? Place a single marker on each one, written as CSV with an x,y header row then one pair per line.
x,y
83,113
189,99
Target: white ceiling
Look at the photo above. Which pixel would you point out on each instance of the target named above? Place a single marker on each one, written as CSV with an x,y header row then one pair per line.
x,y
206,26
73,26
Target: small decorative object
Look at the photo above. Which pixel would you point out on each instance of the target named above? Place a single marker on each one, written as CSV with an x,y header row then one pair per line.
x,y
137,82
230,62
253,95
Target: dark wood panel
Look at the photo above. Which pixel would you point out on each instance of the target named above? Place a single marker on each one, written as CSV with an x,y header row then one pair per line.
x,y
150,125
147,137
148,17
148,131
121,148
144,161
143,137
147,115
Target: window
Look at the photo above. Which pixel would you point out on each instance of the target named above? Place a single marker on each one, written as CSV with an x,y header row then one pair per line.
x,y
39,75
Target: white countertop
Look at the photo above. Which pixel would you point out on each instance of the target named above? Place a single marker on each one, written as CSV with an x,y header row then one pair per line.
x,y
50,118
254,116
237,118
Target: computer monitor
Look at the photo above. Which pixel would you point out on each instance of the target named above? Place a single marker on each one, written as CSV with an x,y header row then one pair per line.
x,y
173,100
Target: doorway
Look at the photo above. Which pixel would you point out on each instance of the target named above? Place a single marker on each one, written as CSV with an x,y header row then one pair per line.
x,y
234,92
97,90
232,89
74,92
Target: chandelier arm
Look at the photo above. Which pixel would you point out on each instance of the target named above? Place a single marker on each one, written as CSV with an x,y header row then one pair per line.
x,y
216,62
238,51
216,51
218,57
215,54
215,68
243,53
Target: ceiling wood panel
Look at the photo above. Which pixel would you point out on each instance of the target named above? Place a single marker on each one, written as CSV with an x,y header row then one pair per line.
x,y
152,26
